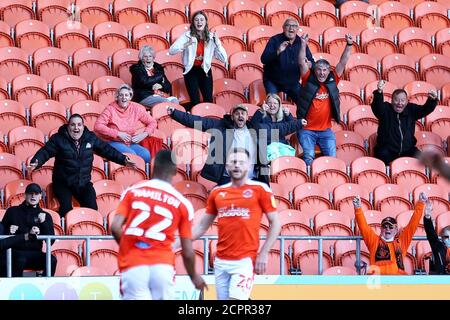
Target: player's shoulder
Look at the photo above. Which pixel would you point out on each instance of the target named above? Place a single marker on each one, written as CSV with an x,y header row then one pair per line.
x,y
257,185
220,188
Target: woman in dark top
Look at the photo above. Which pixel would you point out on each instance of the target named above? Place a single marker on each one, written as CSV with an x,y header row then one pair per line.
x,y
150,84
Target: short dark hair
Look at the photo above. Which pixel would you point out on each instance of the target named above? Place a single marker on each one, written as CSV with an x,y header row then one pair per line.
x,y
76,115
398,91
240,150
164,164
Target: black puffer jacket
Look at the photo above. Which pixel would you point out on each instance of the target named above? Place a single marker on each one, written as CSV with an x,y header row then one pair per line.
x,y
26,217
439,264
142,83
73,168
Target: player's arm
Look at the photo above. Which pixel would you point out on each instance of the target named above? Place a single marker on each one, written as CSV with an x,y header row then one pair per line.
x,y
189,263
200,228
117,226
274,231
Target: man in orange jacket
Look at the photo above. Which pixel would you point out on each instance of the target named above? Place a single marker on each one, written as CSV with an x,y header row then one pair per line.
x,y
388,249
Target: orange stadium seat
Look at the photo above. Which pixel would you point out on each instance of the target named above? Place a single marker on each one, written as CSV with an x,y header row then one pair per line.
x,y
345,253
195,192
32,35
196,167
443,41
339,271
258,36
311,198
244,14
437,178
399,69
438,121
179,265
344,194
408,172
71,36
104,89
15,11
361,68
68,254
436,194
273,263
89,110
306,257
445,94
28,88
48,115
98,169
418,91
426,140
87,271
25,140
210,110
150,34
14,192
51,200
319,15
179,90
404,218
277,11
294,223
415,42
130,13
213,10
288,171
231,38
329,172
188,143
332,223
3,146
93,12
349,146
56,218
228,93
12,115
411,3
178,30
168,13
314,38
357,15
10,168
103,254
282,195
334,41
165,123
69,89
435,69
50,62
111,36
5,35
431,16
369,172
90,63
127,176
256,92
394,16
373,219
391,198
246,67
52,12
442,221
361,120
388,89
43,175
13,62
4,94
122,61
173,66
378,42
84,221
108,195
349,94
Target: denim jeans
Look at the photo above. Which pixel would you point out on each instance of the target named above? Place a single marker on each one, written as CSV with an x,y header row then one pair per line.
x,y
308,140
133,148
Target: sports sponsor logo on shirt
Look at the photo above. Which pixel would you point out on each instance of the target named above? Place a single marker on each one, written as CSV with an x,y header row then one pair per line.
x,y
88,145
248,193
322,96
234,212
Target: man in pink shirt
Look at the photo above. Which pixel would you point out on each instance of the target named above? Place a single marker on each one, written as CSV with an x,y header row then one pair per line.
x,y
120,121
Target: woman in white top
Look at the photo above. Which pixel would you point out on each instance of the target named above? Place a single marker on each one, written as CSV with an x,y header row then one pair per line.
x,y
199,46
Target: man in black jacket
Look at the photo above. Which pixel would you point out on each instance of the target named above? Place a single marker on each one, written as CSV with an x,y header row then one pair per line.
x,y
234,131
441,248
26,218
73,147
150,84
396,123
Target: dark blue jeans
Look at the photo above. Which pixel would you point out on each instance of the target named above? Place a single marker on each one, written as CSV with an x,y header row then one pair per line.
x,y
292,92
308,140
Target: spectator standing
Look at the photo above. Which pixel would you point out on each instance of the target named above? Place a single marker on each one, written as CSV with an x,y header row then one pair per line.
x,y
199,46
119,121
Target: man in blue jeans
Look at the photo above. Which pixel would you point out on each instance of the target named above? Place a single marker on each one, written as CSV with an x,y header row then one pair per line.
x,y
319,101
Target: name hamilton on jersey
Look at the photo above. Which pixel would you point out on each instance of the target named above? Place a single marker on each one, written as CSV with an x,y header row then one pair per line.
x,y
158,196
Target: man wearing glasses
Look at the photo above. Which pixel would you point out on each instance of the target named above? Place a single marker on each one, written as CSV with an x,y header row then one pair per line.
x,y
280,59
388,249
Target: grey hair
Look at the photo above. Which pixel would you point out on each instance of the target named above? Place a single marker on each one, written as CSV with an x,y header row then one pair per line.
x,y
322,62
146,49
124,86
290,19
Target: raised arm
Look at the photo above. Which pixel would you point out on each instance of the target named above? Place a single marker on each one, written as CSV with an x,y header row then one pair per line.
x,y
408,232
190,120
345,55
49,150
219,50
302,60
429,106
428,224
377,104
369,236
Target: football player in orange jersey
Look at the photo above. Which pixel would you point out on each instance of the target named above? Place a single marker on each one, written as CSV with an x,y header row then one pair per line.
x,y
148,216
239,206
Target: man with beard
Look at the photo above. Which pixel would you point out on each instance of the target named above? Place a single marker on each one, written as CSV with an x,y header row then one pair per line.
x,y
388,249
28,219
73,147
239,206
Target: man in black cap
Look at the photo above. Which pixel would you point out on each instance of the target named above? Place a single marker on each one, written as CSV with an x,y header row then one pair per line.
x,y
28,218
